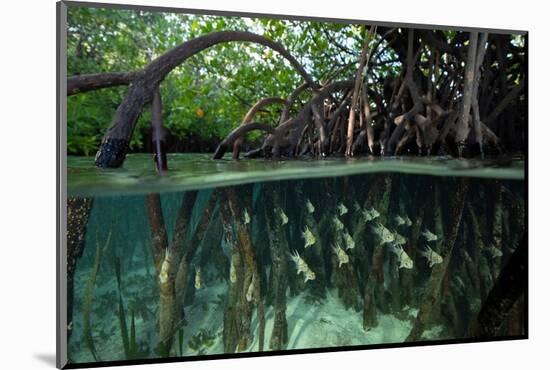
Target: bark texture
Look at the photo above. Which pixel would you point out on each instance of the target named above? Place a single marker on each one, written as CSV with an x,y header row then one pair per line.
x,y
113,148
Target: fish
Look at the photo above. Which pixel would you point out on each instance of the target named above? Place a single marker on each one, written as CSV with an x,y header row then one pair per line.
x,y
398,239
284,218
165,266
341,254
309,206
429,235
342,209
232,272
475,305
370,214
246,217
356,206
250,290
494,251
198,279
404,260
350,243
308,236
384,234
302,267
466,255
338,224
408,221
432,257
399,220
459,284
70,326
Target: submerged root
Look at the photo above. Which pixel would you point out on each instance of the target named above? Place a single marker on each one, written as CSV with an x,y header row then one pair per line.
x,y
78,213
89,296
373,295
278,248
432,296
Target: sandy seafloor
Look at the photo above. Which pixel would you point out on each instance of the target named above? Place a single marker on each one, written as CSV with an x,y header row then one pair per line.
x,y
310,325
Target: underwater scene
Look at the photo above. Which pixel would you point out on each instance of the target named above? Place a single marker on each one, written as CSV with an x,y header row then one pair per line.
x,y
220,257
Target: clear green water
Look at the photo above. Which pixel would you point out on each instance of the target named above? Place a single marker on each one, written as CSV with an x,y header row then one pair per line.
x,y
198,171
329,310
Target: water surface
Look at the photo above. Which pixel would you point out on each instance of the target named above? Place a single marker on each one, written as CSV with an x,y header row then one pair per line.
x,y
191,171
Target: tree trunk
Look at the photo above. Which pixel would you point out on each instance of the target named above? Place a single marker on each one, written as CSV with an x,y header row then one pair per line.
x,y
509,287
249,256
78,214
478,134
235,312
432,296
114,145
379,197
189,250
356,91
159,145
158,230
278,247
164,264
462,127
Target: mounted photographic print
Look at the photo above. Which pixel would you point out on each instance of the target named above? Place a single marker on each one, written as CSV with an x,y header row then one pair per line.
x,y
239,184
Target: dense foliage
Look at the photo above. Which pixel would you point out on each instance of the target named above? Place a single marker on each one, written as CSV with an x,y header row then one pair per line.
x,y
208,95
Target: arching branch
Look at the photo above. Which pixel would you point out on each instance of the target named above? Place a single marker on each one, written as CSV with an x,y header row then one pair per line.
x,y
114,146
290,101
238,132
250,116
305,115
89,82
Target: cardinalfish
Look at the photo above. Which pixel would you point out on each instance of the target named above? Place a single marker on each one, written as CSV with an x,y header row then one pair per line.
x,y
399,220
383,233
302,267
350,243
398,239
337,223
459,283
308,236
494,251
250,290
341,254
284,218
246,217
466,256
309,206
198,279
370,214
432,257
165,266
342,209
402,220
404,260
233,270
429,235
